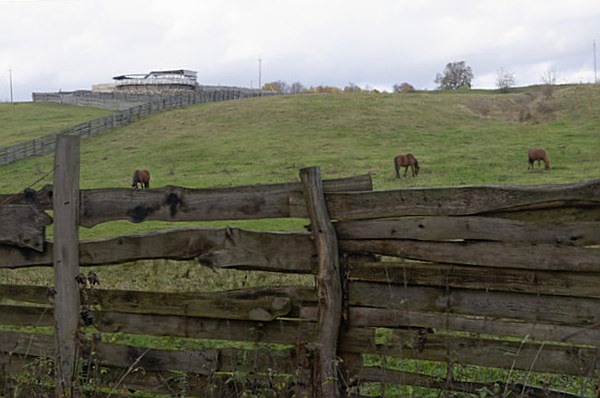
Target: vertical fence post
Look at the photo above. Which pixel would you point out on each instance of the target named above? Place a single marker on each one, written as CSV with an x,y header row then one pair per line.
x,y
66,263
329,288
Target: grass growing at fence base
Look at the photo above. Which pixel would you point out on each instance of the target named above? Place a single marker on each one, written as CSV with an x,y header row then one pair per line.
x,y
496,377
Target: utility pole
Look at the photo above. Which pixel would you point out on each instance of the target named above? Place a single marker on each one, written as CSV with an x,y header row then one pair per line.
x,y
10,81
259,72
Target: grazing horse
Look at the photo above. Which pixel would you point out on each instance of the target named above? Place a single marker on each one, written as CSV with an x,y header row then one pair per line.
x,y
406,161
538,154
141,177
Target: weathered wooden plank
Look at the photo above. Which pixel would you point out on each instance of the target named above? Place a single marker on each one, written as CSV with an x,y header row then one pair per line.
x,y
21,315
412,273
277,331
222,247
222,305
43,198
467,200
488,254
424,345
535,331
554,215
471,228
66,263
122,382
23,226
112,298
257,360
228,384
377,374
572,311
329,289
27,293
183,204
214,247
204,361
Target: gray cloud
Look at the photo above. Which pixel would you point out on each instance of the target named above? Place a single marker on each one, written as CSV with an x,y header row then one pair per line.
x,y
72,44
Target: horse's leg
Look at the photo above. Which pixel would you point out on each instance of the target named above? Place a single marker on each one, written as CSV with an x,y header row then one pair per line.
x,y
405,171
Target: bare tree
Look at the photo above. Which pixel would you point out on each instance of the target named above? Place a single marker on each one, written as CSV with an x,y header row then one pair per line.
x,y
352,88
456,75
504,80
296,88
549,81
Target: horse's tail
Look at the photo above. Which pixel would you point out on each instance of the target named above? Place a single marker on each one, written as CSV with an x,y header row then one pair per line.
x,y
397,166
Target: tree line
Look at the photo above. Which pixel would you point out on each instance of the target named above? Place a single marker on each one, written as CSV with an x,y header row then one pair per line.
x,y
455,76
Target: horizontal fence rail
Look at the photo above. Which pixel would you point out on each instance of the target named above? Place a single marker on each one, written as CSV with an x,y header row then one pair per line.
x,y
499,277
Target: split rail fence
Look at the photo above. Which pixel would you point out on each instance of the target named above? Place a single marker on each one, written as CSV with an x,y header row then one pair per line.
x,y
414,288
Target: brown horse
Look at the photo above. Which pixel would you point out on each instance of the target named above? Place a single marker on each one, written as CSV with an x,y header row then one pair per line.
x,y
406,161
538,154
141,177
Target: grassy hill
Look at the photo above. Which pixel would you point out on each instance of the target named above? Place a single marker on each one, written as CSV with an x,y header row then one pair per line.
x,y
24,121
464,138
459,138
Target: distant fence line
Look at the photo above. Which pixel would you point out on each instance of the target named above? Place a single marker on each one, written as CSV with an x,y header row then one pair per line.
x,y
119,101
129,108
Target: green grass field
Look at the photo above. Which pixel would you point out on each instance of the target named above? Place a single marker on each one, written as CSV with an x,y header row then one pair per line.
x,y
24,121
460,138
464,138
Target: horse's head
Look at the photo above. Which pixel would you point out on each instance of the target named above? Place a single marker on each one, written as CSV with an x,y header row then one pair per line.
x,y
136,179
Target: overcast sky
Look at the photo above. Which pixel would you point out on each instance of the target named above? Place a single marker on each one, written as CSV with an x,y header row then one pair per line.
x,y
52,45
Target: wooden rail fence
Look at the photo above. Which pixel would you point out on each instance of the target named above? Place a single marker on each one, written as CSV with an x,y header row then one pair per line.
x,y
413,286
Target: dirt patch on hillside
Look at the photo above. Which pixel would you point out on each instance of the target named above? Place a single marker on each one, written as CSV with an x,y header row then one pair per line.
x,y
530,107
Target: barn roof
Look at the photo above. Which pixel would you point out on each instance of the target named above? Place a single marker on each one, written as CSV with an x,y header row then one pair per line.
x,y
162,73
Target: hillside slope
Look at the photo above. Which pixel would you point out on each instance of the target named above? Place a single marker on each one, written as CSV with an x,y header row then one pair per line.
x,y
265,140
24,121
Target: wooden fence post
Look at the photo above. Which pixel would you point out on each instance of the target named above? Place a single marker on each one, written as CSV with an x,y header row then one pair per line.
x,y
66,263
329,289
